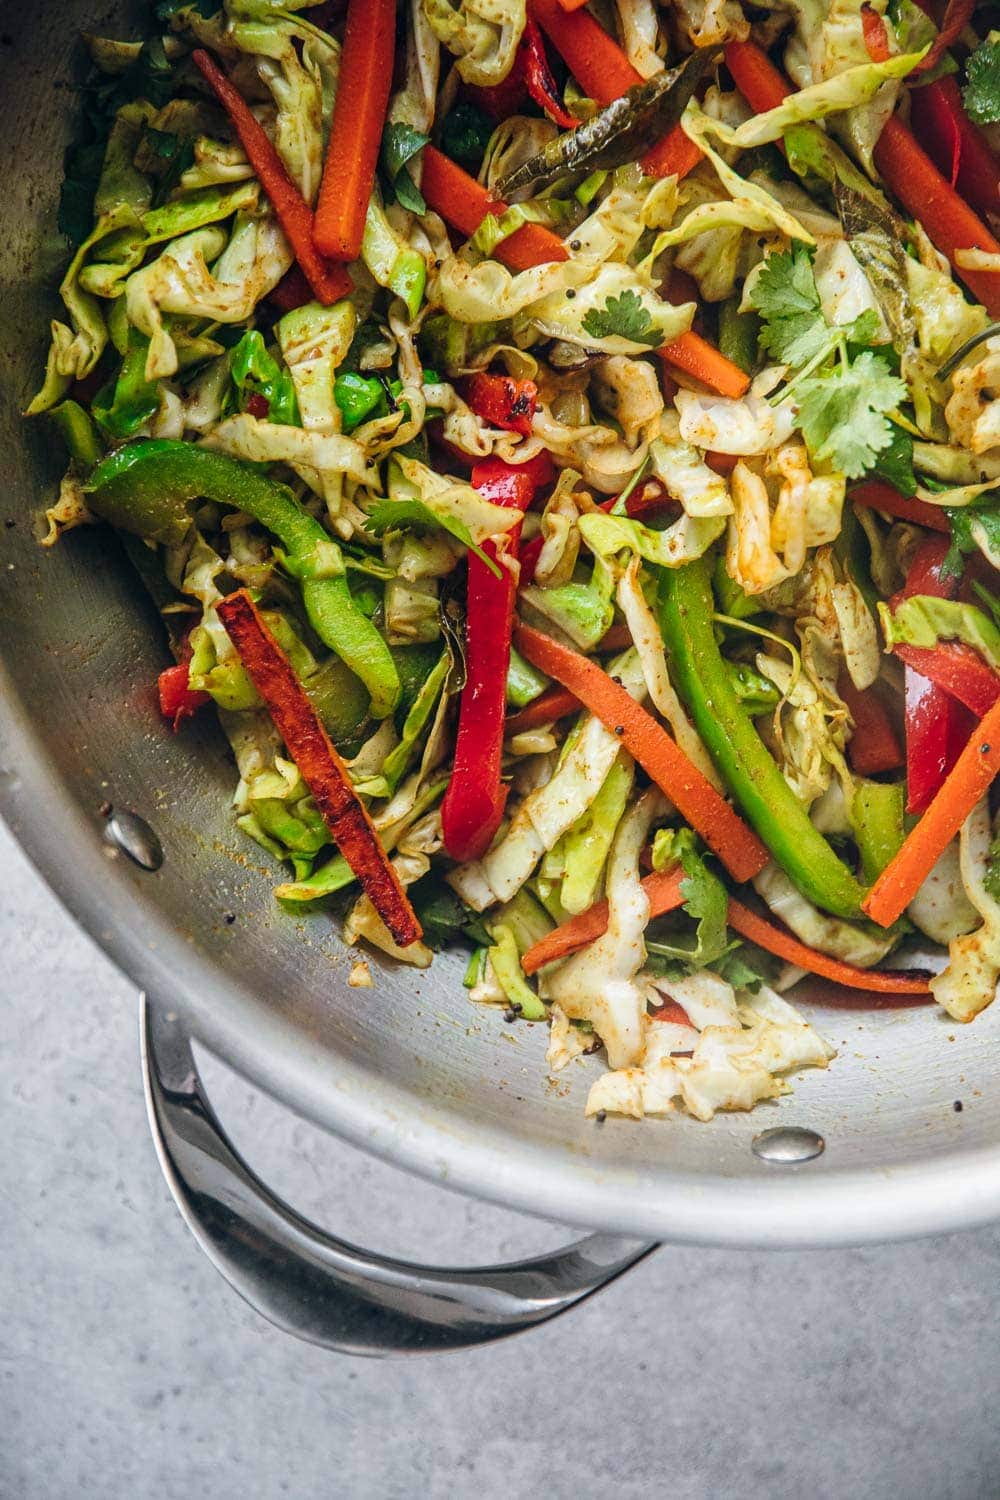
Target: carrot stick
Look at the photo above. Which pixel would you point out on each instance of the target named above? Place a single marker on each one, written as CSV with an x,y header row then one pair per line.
x,y
663,891
930,199
956,146
464,203
783,945
572,4
697,357
601,67
709,814
877,495
323,771
875,35
363,84
908,172
594,58
671,1011
329,283
554,703
762,85
962,788
675,156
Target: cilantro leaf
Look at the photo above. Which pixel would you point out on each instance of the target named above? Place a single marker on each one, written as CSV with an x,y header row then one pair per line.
x,y
981,94
794,329
623,317
842,413
984,515
746,967
414,515
704,899
895,463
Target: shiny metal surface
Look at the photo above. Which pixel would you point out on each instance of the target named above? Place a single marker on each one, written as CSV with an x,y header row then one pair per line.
x,y
408,1069
133,836
787,1144
321,1288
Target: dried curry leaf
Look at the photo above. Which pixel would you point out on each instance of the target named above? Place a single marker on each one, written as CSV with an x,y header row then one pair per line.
x,y
621,132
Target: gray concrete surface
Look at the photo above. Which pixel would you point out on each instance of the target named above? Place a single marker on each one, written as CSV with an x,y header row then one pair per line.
x,y
129,1371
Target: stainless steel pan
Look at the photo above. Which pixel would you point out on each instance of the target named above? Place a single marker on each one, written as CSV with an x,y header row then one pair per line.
x,y
408,1070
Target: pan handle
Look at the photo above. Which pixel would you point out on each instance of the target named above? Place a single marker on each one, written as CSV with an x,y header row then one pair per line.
x,y
323,1289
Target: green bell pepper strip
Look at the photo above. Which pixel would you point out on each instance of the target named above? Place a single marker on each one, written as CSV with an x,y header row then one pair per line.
x,y
146,488
739,333
876,815
702,678
78,433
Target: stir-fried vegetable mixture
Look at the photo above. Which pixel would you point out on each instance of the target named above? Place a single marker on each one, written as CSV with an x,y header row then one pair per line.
x,y
570,438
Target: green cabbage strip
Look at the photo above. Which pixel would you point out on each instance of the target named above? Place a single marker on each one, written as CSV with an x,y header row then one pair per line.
x,y
703,681
922,620
146,488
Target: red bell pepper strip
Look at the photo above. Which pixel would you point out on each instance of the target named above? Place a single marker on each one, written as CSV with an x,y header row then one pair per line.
x,y
958,670
602,69
500,100
937,727
877,495
874,746
538,79
177,701
906,168
329,283
649,496
695,798
966,783
956,146
513,485
473,805
363,83
292,291
503,401
957,15
322,769
529,555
